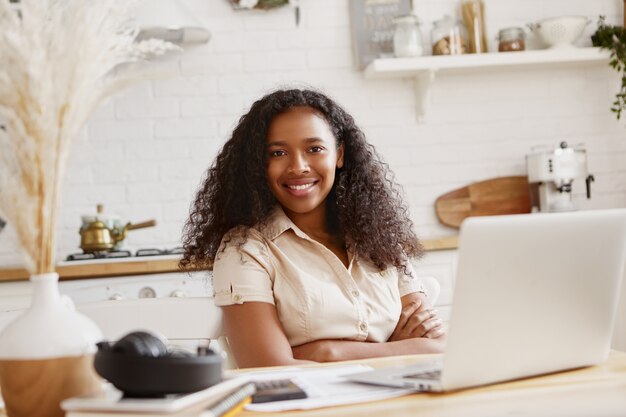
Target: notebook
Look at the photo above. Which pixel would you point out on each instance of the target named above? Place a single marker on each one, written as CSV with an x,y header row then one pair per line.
x,y
534,294
111,401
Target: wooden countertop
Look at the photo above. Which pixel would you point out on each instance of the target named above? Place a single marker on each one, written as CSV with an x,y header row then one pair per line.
x,y
443,243
593,391
82,270
138,266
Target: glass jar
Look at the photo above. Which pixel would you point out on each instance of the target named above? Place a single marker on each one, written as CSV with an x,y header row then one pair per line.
x,y
473,12
511,39
448,37
407,38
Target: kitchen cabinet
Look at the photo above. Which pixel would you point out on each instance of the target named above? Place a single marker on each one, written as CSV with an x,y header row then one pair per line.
x,y
128,279
173,285
426,69
159,276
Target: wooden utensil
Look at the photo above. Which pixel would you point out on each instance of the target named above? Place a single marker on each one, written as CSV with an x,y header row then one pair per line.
x,y
503,195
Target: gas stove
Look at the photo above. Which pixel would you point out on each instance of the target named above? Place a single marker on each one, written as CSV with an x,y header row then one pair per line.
x,y
115,286
144,285
117,254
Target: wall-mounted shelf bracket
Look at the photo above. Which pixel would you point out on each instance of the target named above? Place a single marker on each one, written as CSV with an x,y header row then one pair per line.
x,y
423,83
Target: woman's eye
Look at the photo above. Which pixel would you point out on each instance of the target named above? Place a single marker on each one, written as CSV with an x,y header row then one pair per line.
x,y
316,149
277,153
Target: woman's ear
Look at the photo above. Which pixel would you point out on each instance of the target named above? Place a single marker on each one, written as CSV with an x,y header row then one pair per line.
x,y
340,156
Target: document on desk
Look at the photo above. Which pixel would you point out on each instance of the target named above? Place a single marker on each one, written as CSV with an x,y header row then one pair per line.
x,y
325,387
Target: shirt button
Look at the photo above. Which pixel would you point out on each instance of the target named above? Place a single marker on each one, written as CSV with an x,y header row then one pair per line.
x,y
363,326
355,293
237,297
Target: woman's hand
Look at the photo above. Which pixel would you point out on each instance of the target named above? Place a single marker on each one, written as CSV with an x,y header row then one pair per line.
x,y
417,319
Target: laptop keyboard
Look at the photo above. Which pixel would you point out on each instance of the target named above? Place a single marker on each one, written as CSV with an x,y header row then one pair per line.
x,y
433,375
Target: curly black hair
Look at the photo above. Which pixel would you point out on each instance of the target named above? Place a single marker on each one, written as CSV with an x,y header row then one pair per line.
x,y
365,207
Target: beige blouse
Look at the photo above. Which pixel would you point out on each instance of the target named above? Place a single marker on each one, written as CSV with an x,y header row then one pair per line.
x,y
315,296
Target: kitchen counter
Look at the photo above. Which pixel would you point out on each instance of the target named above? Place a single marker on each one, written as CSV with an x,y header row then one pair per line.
x,y
102,268
150,264
443,243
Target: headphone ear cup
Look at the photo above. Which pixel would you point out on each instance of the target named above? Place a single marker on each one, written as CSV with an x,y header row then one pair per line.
x,y
179,353
141,344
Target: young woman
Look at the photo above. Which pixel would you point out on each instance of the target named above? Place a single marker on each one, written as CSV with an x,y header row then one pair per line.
x,y
309,239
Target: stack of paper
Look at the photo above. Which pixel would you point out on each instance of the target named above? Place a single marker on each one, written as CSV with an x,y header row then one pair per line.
x,y
325,387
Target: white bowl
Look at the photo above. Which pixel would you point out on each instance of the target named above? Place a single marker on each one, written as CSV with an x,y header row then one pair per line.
x,y
560,32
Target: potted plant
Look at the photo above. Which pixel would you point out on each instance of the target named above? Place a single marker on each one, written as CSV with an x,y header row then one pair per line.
x,y
613,39
58,61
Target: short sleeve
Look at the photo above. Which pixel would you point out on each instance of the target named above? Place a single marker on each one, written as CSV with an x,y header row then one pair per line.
x,y
408,282
242,273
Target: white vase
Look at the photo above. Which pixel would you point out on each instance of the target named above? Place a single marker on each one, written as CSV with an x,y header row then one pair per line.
x,y
46,354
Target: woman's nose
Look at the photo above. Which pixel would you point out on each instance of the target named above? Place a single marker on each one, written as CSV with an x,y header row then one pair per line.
x,y
299,164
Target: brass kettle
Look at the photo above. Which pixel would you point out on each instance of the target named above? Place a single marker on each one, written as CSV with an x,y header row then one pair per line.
x,y
97,237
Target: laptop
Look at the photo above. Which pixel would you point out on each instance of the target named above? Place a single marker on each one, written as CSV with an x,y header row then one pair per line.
x,y
535,293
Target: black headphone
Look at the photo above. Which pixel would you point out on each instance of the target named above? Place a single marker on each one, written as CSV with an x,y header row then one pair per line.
x,y
142,365
141,344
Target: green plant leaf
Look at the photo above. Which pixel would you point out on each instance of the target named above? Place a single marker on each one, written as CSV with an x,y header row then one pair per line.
x,y
613,39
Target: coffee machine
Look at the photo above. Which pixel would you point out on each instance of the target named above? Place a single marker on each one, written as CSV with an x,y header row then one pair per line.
x,y
554,171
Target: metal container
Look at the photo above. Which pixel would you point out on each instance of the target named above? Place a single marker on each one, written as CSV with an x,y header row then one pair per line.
x,y
98,234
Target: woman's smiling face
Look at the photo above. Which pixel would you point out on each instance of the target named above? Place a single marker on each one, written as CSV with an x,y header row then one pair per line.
x,y
302,159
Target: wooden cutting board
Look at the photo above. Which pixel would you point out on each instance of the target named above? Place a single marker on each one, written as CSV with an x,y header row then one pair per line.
x,y
503,195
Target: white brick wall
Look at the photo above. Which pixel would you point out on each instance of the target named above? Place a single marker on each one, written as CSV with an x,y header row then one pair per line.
x,y
143,153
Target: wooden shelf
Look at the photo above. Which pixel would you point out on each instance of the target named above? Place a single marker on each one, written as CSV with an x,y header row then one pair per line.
x,y
407,67
425,69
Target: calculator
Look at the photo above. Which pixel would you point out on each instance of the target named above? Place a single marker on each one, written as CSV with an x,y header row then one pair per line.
x,y
277,390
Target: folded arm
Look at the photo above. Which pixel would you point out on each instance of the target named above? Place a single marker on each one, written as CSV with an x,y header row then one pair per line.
x,y
418,330
256,337
343,350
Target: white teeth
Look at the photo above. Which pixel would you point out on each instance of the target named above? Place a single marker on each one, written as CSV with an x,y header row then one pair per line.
x,y
300,187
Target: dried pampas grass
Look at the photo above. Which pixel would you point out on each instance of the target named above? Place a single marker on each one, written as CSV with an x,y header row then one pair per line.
x,y
58,60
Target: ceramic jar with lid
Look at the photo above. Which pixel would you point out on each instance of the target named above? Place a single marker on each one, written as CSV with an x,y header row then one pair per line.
x,y
407,37
511,39
448,37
